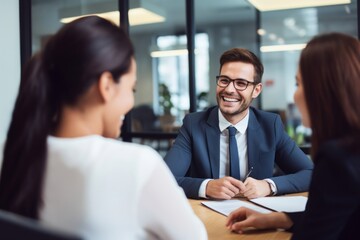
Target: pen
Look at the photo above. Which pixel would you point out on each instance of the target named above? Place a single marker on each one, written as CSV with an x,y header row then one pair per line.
x,y
240,194
248,174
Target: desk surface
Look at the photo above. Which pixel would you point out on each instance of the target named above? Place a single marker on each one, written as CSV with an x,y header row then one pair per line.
x,y
215,225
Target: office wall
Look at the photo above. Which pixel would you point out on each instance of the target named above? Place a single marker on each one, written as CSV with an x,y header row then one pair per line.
x,y
9,61
279,81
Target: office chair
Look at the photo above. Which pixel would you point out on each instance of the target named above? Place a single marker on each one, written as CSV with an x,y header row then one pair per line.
x,y
144,119
16,227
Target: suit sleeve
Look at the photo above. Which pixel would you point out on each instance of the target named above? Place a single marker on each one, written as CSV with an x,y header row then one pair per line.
x,y
179,159
334,198
296,166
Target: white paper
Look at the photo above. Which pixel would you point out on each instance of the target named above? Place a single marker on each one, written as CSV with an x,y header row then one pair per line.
x,y
283,204
225,207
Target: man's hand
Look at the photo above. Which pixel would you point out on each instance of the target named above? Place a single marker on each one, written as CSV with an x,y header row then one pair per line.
x,y
224,188
255,188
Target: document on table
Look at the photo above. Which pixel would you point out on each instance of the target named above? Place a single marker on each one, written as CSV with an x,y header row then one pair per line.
x,y
225,207
283,203
279,204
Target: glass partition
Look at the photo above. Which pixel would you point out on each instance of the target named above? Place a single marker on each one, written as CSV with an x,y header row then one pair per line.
x,y
49,16
161,98
228,24
283,34
158,31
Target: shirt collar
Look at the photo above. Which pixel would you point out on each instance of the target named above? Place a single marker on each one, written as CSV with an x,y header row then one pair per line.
x,y
240,126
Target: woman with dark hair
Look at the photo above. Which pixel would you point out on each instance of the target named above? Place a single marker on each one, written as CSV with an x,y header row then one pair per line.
x,y
328,99
60,164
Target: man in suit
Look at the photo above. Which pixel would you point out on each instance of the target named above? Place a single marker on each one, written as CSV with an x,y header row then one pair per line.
x,y
199,158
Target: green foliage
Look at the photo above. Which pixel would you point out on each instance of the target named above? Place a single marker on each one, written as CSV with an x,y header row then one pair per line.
x,y
165,99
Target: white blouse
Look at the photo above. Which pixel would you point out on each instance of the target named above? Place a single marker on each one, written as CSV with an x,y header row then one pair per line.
x,y
103,189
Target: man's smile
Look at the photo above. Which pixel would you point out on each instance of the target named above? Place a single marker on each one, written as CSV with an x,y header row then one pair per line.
x,y
228,99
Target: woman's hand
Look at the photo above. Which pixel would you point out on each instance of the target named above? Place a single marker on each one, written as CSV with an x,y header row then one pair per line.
x,y
243,218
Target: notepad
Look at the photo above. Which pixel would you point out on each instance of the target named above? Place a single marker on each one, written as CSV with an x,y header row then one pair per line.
x,y
283,203
225,207
263,204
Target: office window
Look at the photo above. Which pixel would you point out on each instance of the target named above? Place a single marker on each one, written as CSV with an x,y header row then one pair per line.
x,y
228,24
49,16
221,25
283,34
165,100
171,75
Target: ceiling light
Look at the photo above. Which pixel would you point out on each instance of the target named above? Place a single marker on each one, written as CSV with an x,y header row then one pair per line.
x,y
266,5
261,31
283,47
170,53
140,12
137,16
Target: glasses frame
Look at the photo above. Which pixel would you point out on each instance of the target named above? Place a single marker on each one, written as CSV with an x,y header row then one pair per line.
x,y
233,81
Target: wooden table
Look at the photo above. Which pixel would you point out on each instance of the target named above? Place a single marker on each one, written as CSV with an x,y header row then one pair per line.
x,y
215,225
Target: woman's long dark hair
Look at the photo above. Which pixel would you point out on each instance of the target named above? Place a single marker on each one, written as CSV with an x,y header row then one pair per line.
x,y
71,62
330,70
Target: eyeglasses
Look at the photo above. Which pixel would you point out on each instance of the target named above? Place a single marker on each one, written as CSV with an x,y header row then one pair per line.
x,y
239,84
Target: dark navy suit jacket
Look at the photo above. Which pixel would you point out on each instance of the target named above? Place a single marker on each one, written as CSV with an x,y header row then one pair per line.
x,y
195,154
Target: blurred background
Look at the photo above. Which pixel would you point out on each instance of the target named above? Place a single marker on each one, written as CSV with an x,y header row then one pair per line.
x,y
178,45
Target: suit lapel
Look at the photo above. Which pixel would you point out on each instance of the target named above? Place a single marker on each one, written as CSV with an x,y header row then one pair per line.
x,y
253,140
213,141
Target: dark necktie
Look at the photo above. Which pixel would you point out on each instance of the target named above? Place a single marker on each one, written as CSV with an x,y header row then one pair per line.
x,y
234,155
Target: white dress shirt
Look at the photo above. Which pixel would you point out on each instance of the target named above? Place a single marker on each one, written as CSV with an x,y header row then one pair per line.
x,y
241,140
240,136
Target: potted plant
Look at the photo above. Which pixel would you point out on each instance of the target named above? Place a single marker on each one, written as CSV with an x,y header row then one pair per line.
x,y
165,99
166,105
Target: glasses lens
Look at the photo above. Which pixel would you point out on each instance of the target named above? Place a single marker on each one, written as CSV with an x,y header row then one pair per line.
x,y
240,84
223,81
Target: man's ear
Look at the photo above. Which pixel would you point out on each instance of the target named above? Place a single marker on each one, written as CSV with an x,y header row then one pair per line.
x,y
257,90
105,85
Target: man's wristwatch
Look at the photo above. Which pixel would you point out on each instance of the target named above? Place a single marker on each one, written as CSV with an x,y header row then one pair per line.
x,y
272,188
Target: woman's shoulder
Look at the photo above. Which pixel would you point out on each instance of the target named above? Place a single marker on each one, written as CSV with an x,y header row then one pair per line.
x,y
137,160
93,149
129,147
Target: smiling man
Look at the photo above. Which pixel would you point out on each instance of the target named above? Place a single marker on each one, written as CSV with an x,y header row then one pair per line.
x,y
232,149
